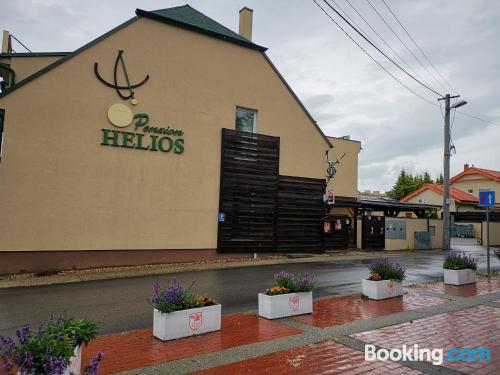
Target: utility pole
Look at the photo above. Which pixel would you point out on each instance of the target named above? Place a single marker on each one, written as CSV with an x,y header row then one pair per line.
x,y
488,240
446,168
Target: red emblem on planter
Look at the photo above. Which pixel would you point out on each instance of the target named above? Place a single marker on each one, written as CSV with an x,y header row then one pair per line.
x,y
195,320
294,303
390,284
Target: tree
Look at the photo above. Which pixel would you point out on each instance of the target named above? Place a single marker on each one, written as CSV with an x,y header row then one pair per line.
x,y
440,179
406,183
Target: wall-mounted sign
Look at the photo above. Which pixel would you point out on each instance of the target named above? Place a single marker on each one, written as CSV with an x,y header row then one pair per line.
x,y
129,87
331,197
144,136
222,217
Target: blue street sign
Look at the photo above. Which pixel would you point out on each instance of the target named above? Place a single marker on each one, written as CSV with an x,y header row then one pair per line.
x,y
222,217
487,198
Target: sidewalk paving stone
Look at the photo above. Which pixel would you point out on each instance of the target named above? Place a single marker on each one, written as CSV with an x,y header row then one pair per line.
x,y
482,286
341,310
326,357
135,349
475,327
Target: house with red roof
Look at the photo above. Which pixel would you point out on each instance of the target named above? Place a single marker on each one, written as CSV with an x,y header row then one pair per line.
x,y
433,194
473,179
464,189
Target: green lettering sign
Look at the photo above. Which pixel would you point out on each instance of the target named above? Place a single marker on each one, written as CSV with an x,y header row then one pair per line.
x,y
142,120
163,142
179,146
109,134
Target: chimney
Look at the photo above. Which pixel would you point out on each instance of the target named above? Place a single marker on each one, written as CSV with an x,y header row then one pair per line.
x,y
6,42
466,166
246,18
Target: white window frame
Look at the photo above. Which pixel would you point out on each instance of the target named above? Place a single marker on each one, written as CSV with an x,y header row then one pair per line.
x,y
255,117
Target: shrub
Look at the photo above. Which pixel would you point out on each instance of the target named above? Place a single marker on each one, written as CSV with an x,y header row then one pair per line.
x,y
386,269
48,349
175,297
458,261
286,282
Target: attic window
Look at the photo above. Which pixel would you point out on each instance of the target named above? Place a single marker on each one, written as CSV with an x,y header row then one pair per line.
x,y
246,120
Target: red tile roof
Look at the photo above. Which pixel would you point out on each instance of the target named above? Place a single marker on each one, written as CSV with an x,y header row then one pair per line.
x,y
488,173
456,194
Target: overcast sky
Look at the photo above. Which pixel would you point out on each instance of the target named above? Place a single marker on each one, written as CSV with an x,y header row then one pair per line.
x,y
346,92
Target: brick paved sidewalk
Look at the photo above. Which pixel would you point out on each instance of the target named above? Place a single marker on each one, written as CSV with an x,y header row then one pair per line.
x,y
331,340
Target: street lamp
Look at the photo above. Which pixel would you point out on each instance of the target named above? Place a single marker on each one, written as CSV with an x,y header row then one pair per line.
x,y
446,164
460,103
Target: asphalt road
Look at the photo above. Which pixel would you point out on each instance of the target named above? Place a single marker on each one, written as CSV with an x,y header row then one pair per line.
x,y
121,304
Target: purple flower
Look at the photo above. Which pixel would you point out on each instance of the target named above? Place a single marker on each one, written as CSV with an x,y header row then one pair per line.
x,y
387,269
457,261
93,365
23,333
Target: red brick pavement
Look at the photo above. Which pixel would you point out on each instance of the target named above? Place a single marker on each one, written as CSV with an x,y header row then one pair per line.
x,y
475,327
482,286
341,310
139,348
327,357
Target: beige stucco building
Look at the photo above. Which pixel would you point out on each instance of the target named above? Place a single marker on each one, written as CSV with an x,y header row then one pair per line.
x,y
472,179
111,154
433,194
464,190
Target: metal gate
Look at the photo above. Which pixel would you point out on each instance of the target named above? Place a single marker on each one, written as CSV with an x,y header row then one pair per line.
x,y
373,232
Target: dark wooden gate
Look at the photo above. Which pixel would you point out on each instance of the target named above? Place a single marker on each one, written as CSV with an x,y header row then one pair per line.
x,y
300,212
265,212
248,191
338,237
373,232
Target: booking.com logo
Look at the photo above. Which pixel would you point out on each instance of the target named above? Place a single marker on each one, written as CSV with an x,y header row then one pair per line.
x,y
413,353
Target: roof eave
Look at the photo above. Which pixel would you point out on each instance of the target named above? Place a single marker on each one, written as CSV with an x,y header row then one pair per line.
x,y
156,17
33,54
298,101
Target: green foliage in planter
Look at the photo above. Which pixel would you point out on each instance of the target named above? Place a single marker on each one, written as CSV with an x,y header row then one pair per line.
x,y
457,261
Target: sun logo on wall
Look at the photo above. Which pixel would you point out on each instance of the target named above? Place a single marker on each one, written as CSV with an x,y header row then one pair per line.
x,y
119,114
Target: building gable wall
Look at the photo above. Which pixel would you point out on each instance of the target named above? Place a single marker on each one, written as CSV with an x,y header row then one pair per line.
x,y
60,189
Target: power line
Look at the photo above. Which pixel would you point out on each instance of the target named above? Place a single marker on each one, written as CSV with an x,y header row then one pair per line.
x,y
418,47
390,74
372,58
379,50
477,118
381,38
404,44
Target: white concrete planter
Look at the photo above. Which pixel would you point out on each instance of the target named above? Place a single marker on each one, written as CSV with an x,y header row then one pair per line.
x,y
75,366
186,323
459,277
382,289
282,305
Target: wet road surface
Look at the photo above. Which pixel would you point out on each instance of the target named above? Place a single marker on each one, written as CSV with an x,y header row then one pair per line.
x,y
120,305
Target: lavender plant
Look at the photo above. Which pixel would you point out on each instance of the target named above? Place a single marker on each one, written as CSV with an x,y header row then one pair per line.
x,y
93,365
291,283
459,261
305,282
45,350
386,269
175,297
286,280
